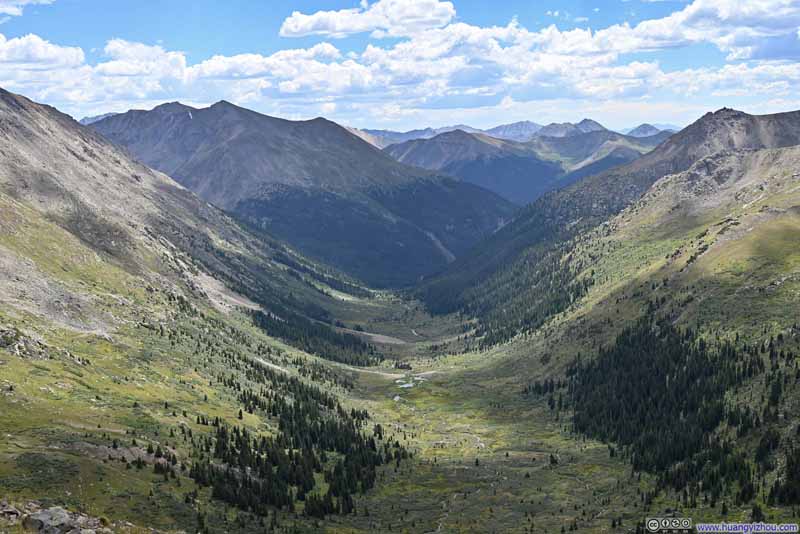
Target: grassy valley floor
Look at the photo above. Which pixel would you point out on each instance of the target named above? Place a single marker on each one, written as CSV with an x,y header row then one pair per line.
x,y
486,456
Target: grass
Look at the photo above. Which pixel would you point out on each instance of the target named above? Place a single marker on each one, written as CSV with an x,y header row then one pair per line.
x,y
61,418
450,420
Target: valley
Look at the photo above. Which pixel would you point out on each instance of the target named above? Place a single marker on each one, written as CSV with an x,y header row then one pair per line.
x,y
168,365
399,266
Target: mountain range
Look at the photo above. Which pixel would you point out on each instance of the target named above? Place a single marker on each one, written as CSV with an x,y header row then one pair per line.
x,y
521,172
64,183
200,328
516,131
567,129
315,185
384,138
493,281
127,301
521,131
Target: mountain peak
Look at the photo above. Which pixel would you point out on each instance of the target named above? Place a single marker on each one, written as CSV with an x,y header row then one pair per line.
x,y
643,130
223,104
568,129
725,112
589,125
458,133
171,107
516,131
315,185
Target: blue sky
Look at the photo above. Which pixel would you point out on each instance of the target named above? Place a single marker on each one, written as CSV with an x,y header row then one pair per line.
x,y
402,64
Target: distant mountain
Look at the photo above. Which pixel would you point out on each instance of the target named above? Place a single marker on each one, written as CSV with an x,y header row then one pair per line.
x,y
644,130
562,129
516,131
384,138
588,125
567,129
508,168
580,149
510,270
89,120
670,127
462,127
369,138
521,172
316,185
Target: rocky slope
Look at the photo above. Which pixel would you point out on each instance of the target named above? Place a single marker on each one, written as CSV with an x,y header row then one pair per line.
x,y
138,325
89,120
692,283
510,270
131,216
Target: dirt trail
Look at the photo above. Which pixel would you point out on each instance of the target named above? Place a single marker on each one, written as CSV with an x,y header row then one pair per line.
x,y
384,374
376,338
271,365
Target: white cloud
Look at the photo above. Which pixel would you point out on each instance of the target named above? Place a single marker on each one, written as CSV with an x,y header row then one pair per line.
x,y
14,7
316,69
742,29
33,52
435,67
284,63
772,79
393,18
140,60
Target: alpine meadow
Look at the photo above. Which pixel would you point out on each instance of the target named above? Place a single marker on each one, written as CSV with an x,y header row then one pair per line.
x,y
410,266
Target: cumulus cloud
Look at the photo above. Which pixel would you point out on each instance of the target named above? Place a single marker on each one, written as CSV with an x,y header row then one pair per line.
x,y
772,79
141,60
14,7
436,64
284,63
393,18
33,52
745,30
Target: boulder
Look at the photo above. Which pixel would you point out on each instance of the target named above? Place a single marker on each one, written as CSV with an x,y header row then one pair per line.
x,y
9,514
54,520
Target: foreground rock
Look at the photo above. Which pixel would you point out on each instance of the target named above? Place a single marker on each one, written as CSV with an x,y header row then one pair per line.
x,y
56,520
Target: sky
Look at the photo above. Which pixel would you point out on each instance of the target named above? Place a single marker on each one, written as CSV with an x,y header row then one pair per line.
x,y
404,64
